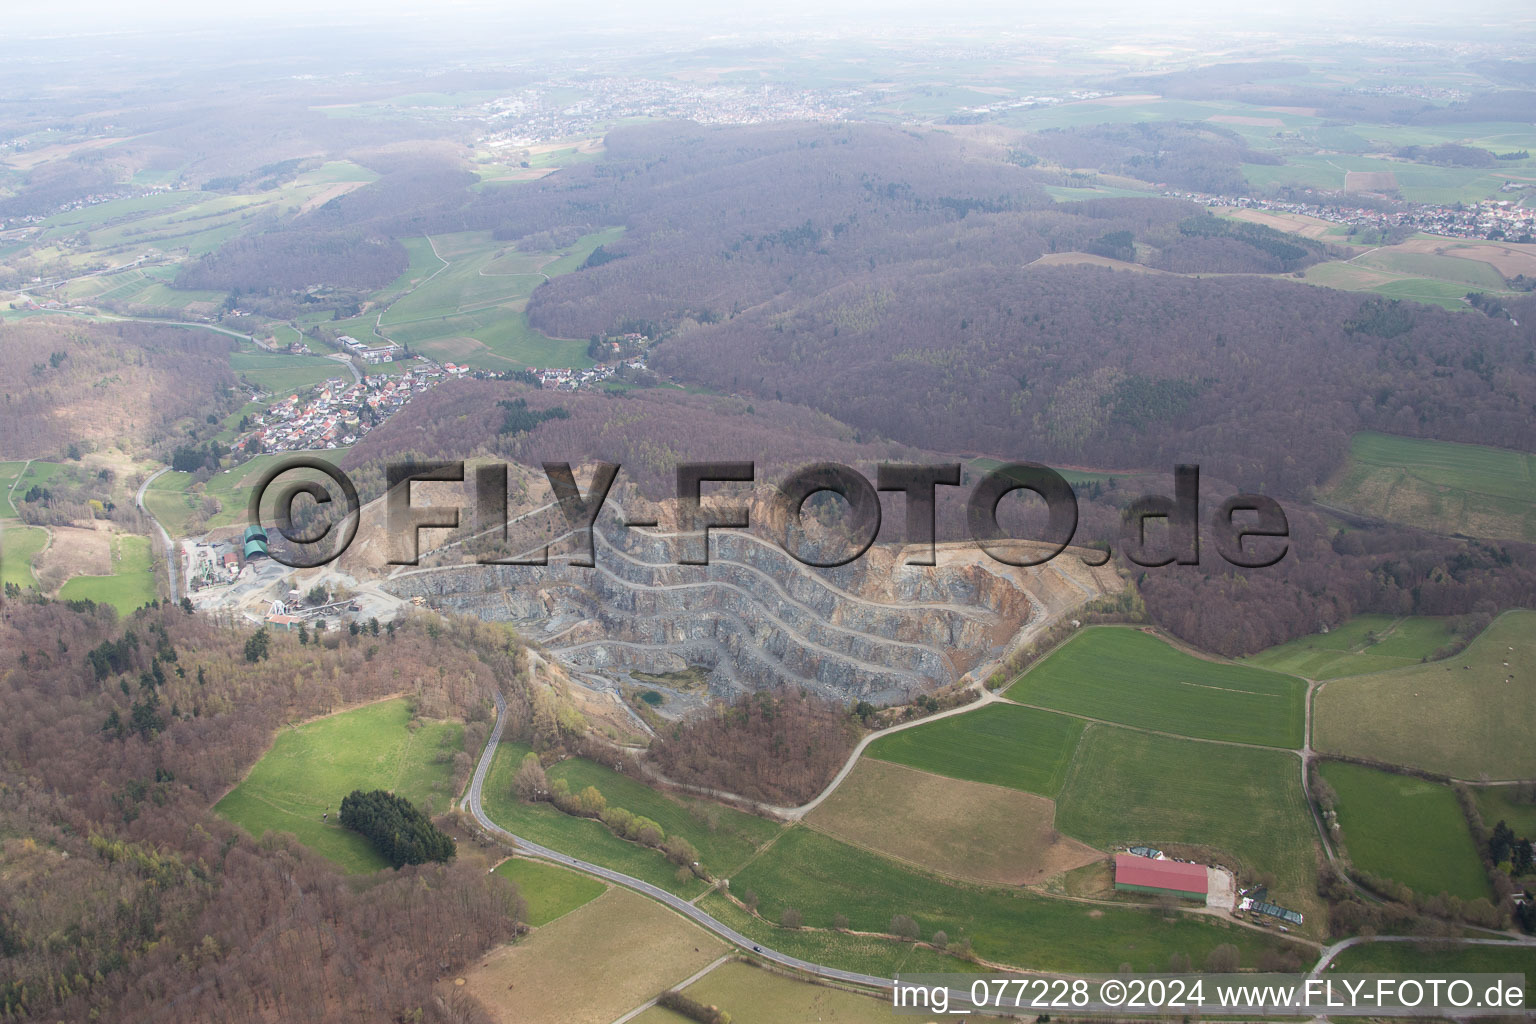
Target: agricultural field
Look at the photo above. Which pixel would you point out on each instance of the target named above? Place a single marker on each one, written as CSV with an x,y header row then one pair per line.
x,y
464,295
822,877
752,995
550,891
1505,803
1365,643
585,838
131,585
1466,717
549,976
278,374
1000,744
18,546
1132,678
1439,485
1243,804
962,829
1419,183
311,767
1406,829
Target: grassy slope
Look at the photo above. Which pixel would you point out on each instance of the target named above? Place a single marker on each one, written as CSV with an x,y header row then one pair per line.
x,y
1366,643
18,546
1129,787
1021,748
723,837
1126,676
1439,485
822,877
1459,717
580,837
131,585
1499,803
1430,958
549,890
1406,829
310,768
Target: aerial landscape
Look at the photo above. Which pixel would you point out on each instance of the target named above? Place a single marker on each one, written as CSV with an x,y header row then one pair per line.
x,y
511,514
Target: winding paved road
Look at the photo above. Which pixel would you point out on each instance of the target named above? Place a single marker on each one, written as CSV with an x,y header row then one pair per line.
x,y
677,903
171,555
473,802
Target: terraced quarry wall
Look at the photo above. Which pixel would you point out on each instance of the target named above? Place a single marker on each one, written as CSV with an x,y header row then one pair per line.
x,y
754,618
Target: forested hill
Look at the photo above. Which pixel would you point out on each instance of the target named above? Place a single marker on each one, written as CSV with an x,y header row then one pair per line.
x,y
1261,381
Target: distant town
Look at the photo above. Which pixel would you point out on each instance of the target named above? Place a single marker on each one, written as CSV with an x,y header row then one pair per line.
x,y
1498,220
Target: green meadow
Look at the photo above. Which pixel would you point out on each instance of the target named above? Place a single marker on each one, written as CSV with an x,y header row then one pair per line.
x,y
1123,675
1441,486
1365,643
1406,829
311,767
1132,788
131,585
549,890
1002,744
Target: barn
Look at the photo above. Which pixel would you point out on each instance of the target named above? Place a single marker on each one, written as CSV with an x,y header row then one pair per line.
x,y
1170,877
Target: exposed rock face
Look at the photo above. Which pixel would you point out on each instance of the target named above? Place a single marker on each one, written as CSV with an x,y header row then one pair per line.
x,y
875,629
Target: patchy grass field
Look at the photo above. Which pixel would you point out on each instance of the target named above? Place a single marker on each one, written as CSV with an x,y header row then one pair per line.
x,y
1001,744
1465,716
822,877
281,373
1130,677
868,954
18,546
550,891
580,837
1434,958
1366,643
131,585
723,836
1406,829
311,767
464,297
593,964
1439,486
1131,788
1502,803
963,829
173,499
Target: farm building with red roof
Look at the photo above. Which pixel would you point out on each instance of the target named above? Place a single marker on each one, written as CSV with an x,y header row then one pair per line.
x,y
1142,874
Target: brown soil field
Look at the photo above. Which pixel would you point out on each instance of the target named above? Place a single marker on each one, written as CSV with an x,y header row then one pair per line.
x,y
592,965
1056,259
74,551
1369,181
325,195
1125,101
1292,223
1508,258
968,830
1252,122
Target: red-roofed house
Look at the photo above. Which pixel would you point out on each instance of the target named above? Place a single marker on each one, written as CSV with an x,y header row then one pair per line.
x,y
1142,874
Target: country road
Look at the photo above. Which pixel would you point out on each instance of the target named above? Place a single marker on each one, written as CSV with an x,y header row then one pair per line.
x,y
171,557
677,903
473,802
